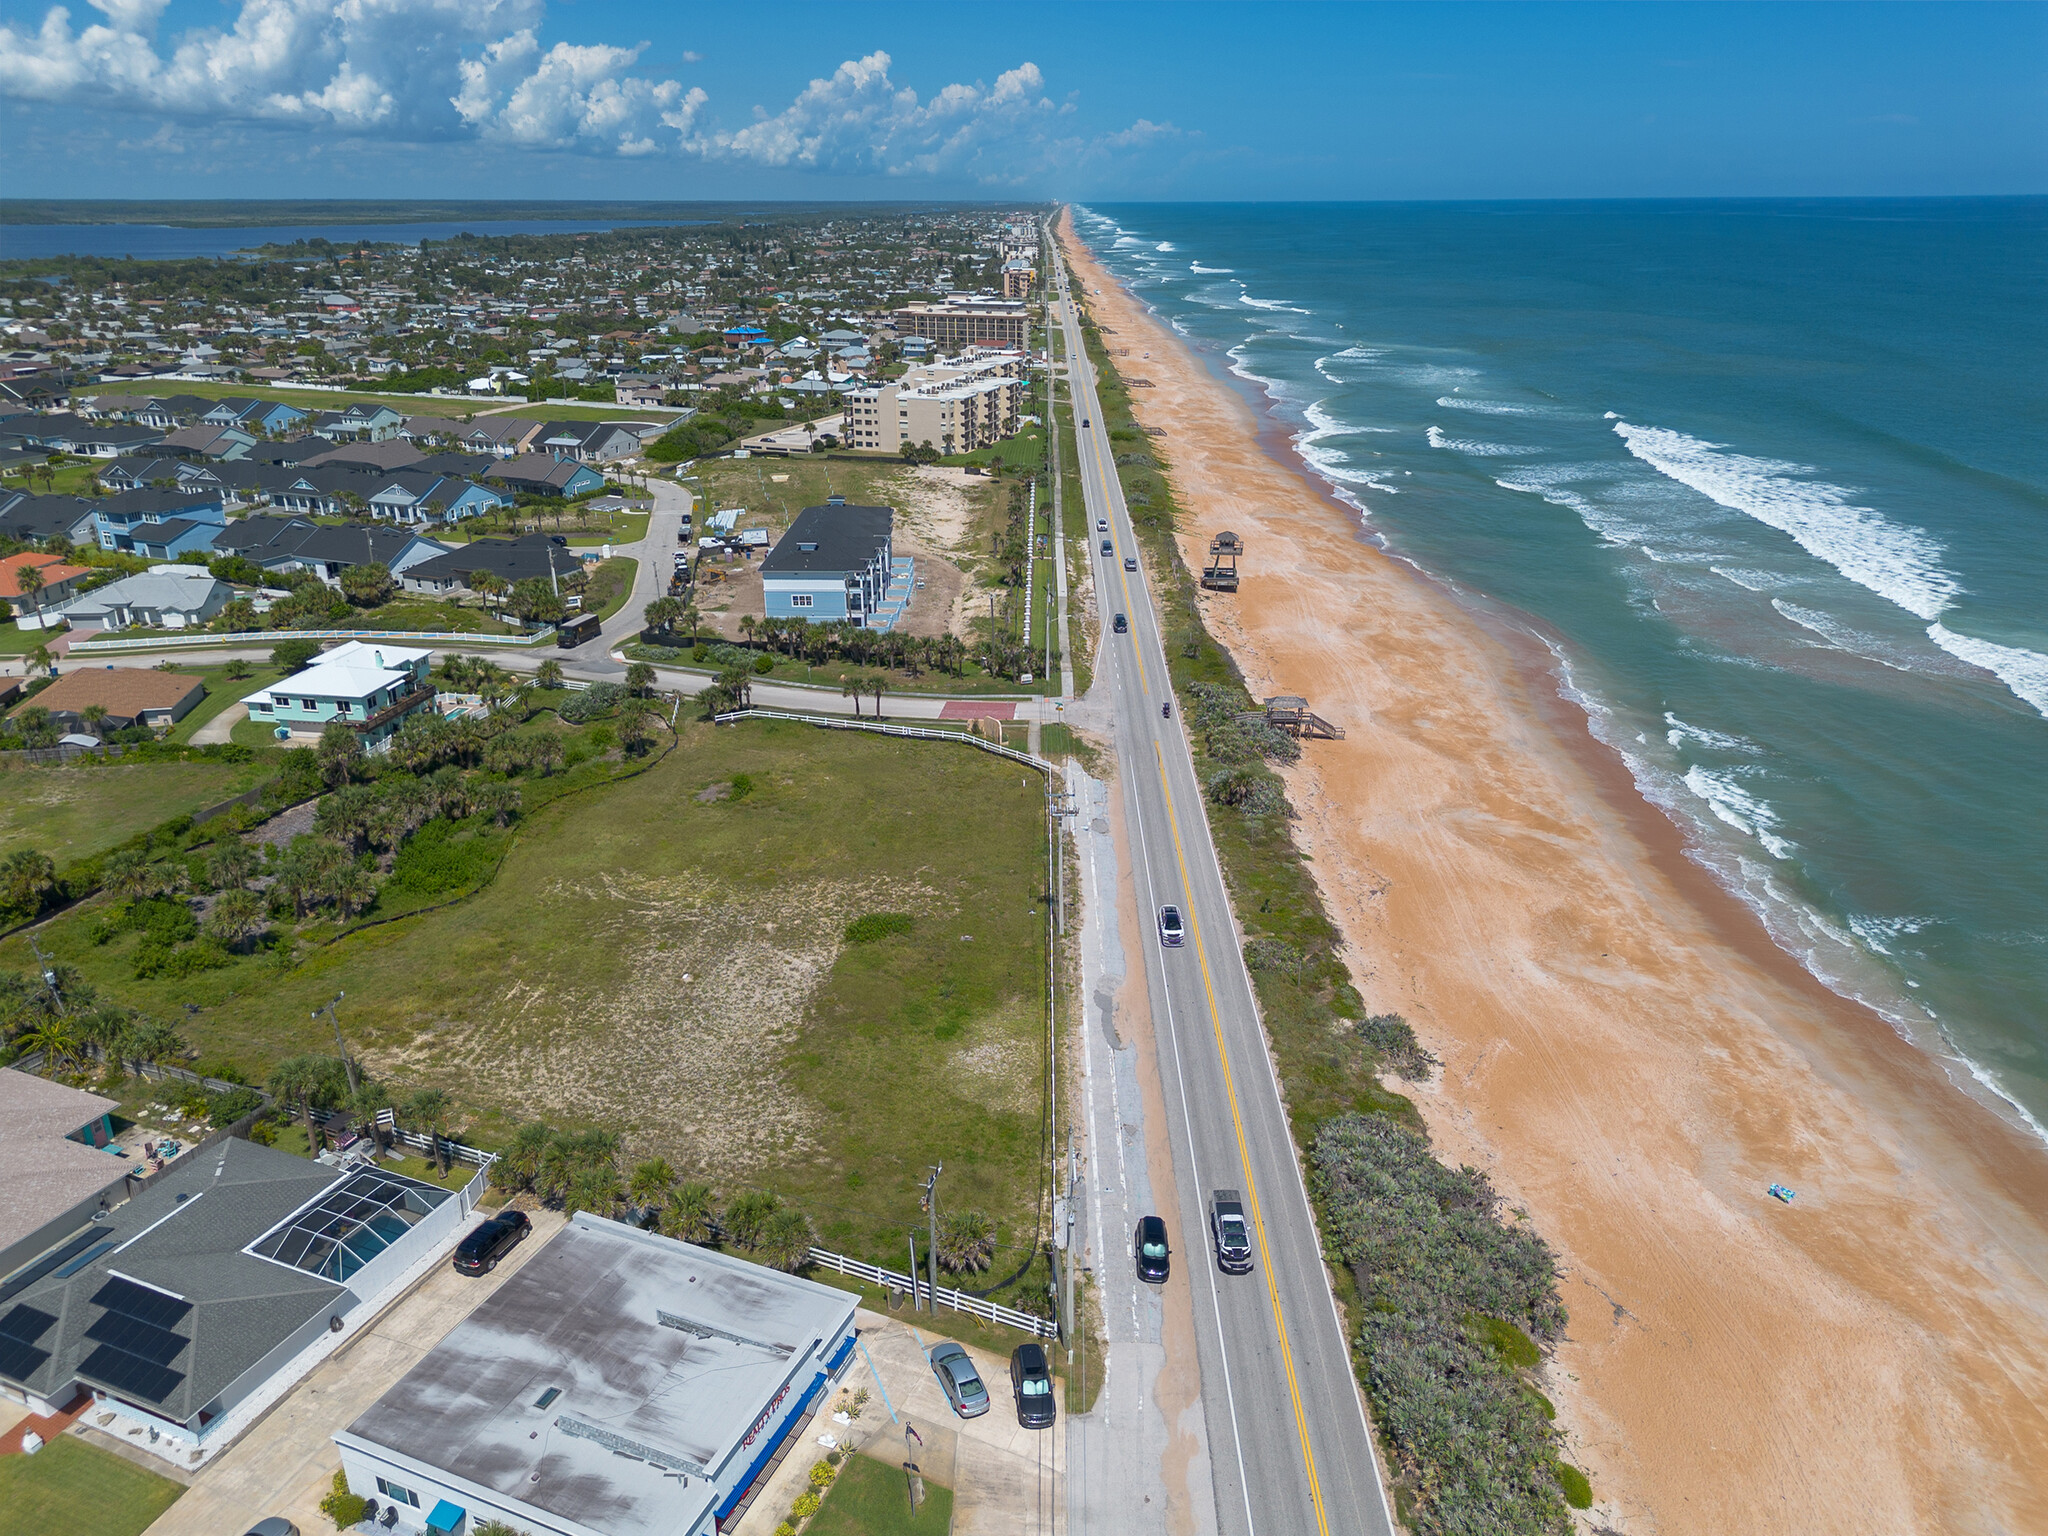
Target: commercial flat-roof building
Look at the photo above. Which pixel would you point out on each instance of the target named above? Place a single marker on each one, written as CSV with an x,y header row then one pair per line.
x,y
833,564
620,1384
175,1307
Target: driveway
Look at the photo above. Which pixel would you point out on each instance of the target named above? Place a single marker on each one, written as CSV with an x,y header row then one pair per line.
x,y
285,1465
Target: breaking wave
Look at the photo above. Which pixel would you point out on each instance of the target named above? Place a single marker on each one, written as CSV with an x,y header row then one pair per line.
x,y
1476,450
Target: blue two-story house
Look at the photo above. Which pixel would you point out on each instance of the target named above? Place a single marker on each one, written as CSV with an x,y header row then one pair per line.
x,y
833,564
254,415
160,524
409,496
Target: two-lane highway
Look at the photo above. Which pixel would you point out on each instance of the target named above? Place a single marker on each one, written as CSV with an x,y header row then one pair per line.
x,y
1289,1448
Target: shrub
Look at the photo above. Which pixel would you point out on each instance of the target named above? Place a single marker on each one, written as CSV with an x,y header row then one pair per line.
x,y
342,1507
293,655
806,1505
876,926
742,786
1392,1037
822,1475
1513,1346
1578,1488
763,665
1435,1267
434,861
597,699
226,1108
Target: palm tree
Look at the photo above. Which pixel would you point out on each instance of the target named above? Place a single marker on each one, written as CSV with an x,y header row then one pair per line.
x,y
877,685
651,1183
746,1216
549,674
312,1082
660,614
634,730
748,624
352,889
688,618
231,864
28,880
29,579
428,1112
785,1241
851,686
236,918
593,1188
639,679
519,1164
55,1038
967,1242
340,752
690,1214
499,801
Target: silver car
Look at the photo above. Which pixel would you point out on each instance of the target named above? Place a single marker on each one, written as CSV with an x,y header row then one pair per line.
x,y
959,1380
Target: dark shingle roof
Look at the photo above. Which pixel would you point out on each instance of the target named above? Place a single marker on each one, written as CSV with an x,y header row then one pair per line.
x,y
842,539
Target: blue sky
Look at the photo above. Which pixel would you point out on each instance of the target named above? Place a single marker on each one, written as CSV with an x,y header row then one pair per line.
x,y
552,98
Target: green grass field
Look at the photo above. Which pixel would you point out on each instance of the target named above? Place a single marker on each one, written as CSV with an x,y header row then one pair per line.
x,y
74,811
674,967
872,1498
81,1490
222,692
16,641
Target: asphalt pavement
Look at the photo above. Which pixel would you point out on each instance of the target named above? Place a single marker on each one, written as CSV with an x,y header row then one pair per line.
x,y
1288,1447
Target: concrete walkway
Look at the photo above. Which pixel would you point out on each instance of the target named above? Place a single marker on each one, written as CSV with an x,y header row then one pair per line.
x,y
221,727
285,1464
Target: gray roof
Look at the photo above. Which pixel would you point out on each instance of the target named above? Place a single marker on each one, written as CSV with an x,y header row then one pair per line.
x,y
844,539
655,1345
43,1173
188,590
183,1235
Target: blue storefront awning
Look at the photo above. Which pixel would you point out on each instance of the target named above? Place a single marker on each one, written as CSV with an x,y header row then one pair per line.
x,y
446,1516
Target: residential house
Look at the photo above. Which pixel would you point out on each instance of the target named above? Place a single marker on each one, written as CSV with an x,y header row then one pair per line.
x,y
75,435
325,549
363,422
536,475
587,442
209,442
129,695
181,475
163,597
389,454
424,430
261,416
639,390
621,1383
39,519
57,1169
412,497
139,522
510,560
370,686
212,1284
832,564
33,610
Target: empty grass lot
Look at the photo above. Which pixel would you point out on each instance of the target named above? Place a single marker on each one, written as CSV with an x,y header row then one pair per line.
x,y
73,811
80,1490
872,1498
675,968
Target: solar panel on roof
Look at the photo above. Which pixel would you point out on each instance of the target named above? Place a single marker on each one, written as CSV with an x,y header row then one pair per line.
x,y
123,1372
137,1301
160,1346
20,1328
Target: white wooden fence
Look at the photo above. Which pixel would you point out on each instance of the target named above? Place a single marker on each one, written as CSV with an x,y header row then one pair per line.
x,y
882,728
959,1301
271,636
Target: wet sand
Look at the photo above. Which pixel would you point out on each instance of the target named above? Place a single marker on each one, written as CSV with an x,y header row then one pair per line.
x,y
1627,1054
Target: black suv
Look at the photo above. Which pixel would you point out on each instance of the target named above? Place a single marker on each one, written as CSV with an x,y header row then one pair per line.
x,y
1031,1380
1151,1250
478,1253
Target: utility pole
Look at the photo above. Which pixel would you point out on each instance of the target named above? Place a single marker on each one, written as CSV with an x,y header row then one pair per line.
x,y
348,1066
931,1206
1067,1240
49,975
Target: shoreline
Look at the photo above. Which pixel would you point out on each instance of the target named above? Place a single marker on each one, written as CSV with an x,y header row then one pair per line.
x,y
1627,1053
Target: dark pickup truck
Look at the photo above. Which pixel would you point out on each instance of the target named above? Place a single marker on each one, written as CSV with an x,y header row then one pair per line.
x,y
1232,1235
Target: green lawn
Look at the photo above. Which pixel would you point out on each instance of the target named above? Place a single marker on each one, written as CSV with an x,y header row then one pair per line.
x,y
75,810
80,1490
832,1073
611,584
222,692
972,681
455,407
16,641
872,1498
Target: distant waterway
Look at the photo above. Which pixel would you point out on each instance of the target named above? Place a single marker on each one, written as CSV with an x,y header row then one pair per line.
x,y
166,242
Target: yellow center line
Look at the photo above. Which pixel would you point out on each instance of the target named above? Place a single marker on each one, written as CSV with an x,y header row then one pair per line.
x,y
1251,1189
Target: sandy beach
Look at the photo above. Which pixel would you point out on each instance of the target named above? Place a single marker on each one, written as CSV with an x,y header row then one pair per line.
x,y
1628,1056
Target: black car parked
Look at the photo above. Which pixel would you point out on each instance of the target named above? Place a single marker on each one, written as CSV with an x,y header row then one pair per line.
x,y
478,1253
1031,1380
1151,1250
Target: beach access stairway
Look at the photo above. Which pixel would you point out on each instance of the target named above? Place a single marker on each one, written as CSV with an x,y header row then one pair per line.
x,y
1292,715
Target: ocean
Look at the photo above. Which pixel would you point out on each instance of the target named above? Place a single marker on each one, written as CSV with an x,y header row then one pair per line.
x,y
1769,478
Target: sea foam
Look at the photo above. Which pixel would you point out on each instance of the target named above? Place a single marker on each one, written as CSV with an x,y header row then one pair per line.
x,y
1736,806
1899,562
1486,407
1197,267
1477,450
2024,672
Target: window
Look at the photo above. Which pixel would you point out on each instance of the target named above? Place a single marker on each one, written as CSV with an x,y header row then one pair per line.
x,y
800,600
310,703
402,1495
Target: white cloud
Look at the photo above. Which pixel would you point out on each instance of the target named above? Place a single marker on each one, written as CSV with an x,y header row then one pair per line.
x,y
415,71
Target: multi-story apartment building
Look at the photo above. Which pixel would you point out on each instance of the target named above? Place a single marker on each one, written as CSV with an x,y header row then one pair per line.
x,y
967,322
956,407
